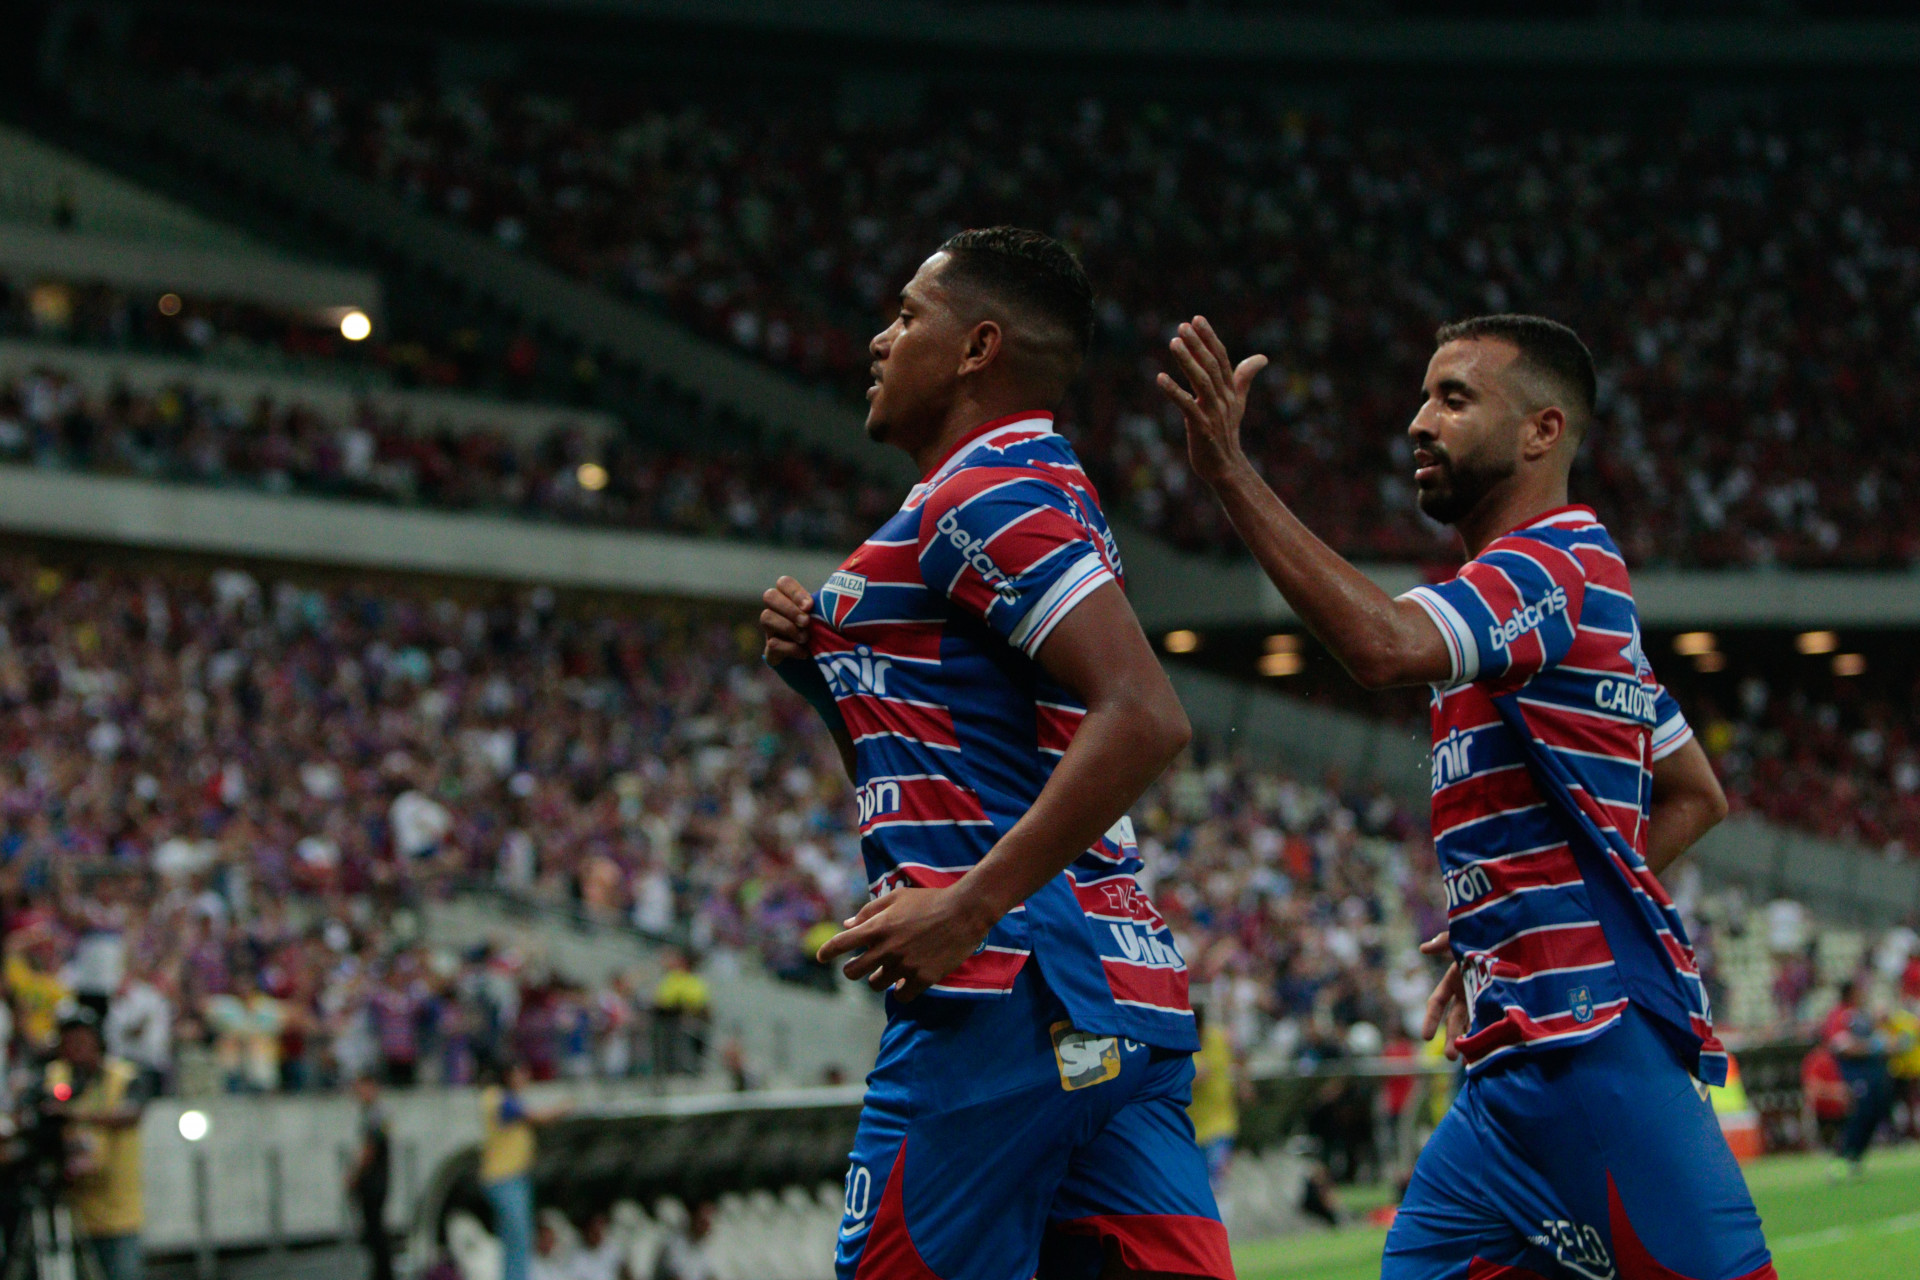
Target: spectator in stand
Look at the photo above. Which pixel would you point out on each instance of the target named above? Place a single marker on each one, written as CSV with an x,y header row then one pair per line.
x,y
188,433
1745,283
212,762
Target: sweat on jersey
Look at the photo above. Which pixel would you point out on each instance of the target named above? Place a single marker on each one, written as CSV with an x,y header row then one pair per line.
x,y
1543,742
926,637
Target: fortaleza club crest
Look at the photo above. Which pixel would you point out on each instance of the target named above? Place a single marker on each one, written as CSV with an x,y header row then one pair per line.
x,y
847,589
1580,1000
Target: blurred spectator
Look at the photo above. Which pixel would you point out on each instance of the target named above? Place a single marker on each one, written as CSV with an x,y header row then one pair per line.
x,y
212,765
682,1012
1855,1042
187,433
105,1103
1216,1099
371,1178
1745,284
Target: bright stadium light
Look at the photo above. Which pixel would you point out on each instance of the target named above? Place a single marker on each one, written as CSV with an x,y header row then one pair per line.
x,y
1691,644
1280,664
355,326
194,1125
1181,641
1816,642
1849,664
592,476
1283,643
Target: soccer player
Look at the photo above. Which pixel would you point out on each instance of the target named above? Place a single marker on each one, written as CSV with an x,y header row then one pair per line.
x,y
998,710
1564,780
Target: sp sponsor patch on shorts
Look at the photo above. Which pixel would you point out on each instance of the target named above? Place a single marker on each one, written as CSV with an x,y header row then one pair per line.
x,y
1084,1059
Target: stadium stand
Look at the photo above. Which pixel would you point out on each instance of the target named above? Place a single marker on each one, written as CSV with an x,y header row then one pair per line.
x,y
250,769
189,432
1715,456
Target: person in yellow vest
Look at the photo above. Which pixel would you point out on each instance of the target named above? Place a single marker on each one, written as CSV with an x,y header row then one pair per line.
x,y
507,1148
102,1098
1215,1110
682,1004
1902,1029
32,974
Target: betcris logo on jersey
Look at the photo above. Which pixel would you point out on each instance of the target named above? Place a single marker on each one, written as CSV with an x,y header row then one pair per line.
x,y
1528,617
974,551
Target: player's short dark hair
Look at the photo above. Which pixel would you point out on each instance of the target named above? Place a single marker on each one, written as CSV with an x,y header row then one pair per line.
x,y
1033,276
1548,347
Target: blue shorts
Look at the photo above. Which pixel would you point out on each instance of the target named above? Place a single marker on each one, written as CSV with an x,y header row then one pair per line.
x,y
997,1143
1585,1163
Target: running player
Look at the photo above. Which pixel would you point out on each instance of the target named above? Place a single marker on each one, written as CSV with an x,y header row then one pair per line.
x,y
1564,780
999,710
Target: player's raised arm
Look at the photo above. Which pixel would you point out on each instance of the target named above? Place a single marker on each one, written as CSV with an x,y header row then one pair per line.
x,y
1379,640
1133,729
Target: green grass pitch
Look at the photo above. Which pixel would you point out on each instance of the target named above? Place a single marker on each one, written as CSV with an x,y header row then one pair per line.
x,y
1864,1229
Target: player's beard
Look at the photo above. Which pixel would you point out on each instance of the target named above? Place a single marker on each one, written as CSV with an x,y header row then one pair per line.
x,y
1464,481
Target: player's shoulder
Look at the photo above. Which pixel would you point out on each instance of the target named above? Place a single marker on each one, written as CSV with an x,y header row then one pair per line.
x,y
1027,472
1568,543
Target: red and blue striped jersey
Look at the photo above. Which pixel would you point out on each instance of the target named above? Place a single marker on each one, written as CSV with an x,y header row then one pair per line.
x,y
926,636
1543,742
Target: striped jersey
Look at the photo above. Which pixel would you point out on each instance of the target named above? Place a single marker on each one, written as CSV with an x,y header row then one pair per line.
x,y
927,637
1543,742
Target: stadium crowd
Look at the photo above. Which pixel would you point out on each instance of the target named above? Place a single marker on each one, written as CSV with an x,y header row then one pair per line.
x,y
186,432
224,804
1751,290
1840,758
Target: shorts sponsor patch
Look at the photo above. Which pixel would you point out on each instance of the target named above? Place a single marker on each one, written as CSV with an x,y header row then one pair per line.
x,y
1084,1059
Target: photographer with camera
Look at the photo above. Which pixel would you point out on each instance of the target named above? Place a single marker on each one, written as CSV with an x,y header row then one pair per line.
x,y
100,1099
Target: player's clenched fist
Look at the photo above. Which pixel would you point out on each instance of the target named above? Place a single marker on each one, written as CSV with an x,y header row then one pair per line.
x,y
784,621
1217,399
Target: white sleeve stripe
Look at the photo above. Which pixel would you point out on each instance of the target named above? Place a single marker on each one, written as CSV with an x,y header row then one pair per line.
x,y
1465,659
1080,580
1673,734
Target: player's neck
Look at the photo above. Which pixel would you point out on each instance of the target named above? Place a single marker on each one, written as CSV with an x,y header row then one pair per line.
x,y
1508,508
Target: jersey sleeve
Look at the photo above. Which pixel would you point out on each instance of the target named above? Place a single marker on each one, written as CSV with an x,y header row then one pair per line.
x,y
1671,730
1011,549
1509,614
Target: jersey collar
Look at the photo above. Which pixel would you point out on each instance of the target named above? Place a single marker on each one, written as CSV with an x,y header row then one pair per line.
x,y
1571,514
1033,420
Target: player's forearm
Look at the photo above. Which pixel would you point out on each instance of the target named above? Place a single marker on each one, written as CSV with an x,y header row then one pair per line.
x,y
1676,826
1361,625
1117,752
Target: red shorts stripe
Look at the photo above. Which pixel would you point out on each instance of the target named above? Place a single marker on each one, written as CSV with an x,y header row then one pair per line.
x,y
889,1253
1162,1243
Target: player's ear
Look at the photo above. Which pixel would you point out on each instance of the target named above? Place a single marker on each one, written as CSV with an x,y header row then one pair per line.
x,y
1542,432
982,348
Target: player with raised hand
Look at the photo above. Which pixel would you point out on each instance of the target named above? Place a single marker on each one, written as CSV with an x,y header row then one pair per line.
x,y
999,710
1564,779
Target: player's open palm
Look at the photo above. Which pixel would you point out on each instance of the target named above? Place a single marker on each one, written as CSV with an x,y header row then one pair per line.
x,y
1215,398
